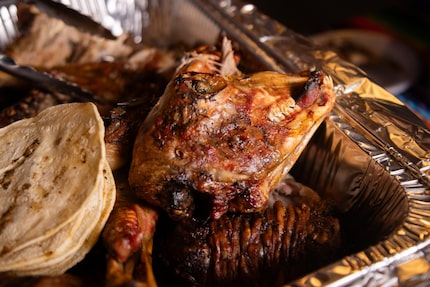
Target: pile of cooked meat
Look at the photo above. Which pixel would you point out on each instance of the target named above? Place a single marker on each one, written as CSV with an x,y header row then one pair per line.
x,y
200,152
287,239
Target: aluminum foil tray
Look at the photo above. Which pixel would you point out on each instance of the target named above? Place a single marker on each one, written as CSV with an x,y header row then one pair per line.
x,y
371,156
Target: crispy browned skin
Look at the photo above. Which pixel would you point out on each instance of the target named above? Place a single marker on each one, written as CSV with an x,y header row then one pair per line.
x,y
255,249
225,141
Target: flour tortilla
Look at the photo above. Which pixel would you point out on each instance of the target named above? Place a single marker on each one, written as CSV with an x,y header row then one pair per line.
x,y
56,189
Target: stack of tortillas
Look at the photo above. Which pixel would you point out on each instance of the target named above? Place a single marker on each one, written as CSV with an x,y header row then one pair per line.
x,y
56,189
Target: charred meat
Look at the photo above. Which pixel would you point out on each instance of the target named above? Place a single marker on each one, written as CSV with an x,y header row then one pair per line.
x,y
256,249
55,43
209,153
223,139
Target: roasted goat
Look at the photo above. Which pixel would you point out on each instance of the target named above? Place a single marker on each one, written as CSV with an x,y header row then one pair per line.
x,y
292,236
220,140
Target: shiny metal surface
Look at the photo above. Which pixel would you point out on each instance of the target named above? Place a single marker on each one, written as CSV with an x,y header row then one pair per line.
x,y
371,157
44,80
390,193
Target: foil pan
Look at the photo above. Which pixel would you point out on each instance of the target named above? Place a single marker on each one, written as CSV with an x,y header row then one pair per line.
x,y
371,157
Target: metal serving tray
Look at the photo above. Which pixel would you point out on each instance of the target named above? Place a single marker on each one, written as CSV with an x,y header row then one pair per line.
x,y
371,157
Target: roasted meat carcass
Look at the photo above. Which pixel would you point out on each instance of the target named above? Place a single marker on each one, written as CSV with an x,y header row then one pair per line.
x,y
295,234
223,140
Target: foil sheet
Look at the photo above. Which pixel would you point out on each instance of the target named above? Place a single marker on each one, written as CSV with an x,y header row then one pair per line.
x,y
371,157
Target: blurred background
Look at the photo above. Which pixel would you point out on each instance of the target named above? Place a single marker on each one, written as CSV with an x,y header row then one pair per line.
x,y
405,23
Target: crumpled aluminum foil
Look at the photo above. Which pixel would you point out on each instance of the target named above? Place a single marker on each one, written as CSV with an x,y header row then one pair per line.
x,y
393,195
369,118
371,157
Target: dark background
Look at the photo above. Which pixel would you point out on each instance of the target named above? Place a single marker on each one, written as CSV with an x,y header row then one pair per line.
x,y
308,17
406,20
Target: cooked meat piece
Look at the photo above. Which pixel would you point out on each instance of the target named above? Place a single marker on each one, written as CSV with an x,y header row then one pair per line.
x,y
119,137
128,237
140,94
145,74
28,105
131,224
224,139
135,84
56,43
254,249
131,88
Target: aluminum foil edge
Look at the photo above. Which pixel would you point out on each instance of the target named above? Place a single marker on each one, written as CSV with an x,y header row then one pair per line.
x,y
366,114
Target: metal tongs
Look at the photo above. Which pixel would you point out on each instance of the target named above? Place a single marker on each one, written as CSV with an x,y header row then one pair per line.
x,y
45,80
67,15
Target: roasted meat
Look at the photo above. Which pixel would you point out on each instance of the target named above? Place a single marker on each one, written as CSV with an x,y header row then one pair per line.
x,y
142,75
131,88
295,234
113,70
216,145
28,104
128,89
128,237
221,139
136,90
56,43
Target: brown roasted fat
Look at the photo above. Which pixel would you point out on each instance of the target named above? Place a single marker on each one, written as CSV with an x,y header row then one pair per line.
x,y
223,140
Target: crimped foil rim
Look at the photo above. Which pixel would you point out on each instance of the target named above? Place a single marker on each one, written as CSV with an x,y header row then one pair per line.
x,y
388,262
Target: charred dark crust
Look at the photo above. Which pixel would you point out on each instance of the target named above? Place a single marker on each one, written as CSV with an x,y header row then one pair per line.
x,y
249,248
